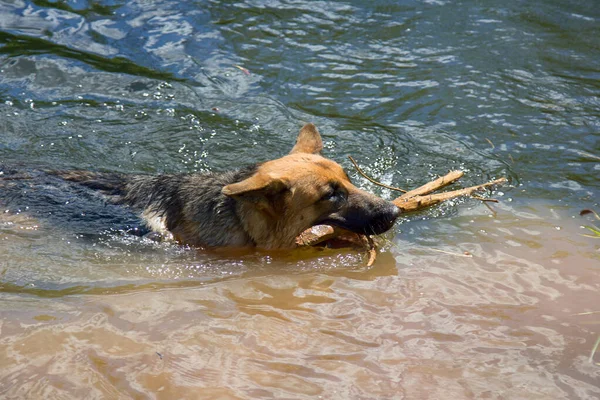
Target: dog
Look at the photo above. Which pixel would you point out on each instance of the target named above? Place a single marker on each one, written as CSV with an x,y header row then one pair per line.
x,y
266,205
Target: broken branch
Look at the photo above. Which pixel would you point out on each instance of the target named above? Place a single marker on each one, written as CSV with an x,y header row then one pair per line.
x,y
315,235
415,203
434,185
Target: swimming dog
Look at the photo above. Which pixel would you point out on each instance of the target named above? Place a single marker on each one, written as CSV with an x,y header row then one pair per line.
x,y
266,205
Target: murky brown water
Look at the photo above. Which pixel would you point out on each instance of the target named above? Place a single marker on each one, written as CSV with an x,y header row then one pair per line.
x,y
509,322
411,89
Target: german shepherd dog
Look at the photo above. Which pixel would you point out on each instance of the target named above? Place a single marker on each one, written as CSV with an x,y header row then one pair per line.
x,y
266,205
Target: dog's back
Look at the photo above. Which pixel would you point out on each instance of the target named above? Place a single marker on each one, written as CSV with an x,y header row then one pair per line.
x,y
189,206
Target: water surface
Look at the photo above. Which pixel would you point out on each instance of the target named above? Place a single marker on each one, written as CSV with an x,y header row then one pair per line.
x,y
411,89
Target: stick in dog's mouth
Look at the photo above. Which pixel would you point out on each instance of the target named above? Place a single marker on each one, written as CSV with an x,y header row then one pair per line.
x,y
414,200
334,237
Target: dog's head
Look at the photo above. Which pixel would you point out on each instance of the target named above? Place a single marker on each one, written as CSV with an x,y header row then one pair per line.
x,y
302,189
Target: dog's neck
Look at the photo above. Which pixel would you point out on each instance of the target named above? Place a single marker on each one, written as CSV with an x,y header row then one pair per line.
x,y
271,231
191,207
195,211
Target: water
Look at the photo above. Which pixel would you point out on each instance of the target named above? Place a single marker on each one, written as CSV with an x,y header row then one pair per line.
x,y
411,90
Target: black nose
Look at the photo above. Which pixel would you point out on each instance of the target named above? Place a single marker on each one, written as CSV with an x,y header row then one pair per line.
x,y
395,212
390,212
383,220
364,213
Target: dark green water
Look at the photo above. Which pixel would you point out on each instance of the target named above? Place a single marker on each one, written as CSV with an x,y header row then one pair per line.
x,y
411,89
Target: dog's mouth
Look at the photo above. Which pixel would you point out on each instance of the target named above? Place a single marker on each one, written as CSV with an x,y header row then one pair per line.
x,y
332,236
361,227
343,224
337,238
351,227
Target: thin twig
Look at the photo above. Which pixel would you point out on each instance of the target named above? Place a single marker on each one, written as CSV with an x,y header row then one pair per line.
x,y
373,180
483,198
465,254
494,213
372,251
419,202
434,185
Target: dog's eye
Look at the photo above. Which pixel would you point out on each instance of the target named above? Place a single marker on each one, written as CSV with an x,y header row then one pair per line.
x,y
329,195
334,195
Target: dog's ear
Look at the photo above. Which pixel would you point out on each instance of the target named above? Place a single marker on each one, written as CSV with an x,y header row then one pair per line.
x,y
259,189
309,141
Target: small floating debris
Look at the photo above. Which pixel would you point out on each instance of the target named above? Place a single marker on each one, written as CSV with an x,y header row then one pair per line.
x,y
244,70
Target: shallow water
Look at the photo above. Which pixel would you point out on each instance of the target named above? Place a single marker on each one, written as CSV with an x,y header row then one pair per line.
x,y
411,90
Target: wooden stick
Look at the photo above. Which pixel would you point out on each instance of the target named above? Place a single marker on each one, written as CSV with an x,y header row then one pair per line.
x,y
432,186
464,254
372,251
415,203
484,199
315,235
373,180
322,233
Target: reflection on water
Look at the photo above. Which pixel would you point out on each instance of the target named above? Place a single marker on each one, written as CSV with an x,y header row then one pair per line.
x,y
466,300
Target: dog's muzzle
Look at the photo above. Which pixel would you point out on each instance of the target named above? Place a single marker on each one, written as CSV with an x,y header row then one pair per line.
x,y
371,216
383,220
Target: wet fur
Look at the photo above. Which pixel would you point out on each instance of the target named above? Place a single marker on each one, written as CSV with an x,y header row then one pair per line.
x,y
265,205
191,208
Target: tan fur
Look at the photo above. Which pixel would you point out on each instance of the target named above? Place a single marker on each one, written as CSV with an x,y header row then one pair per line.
x,y
283,198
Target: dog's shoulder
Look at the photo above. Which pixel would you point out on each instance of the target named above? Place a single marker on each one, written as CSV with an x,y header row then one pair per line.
x,y
191,206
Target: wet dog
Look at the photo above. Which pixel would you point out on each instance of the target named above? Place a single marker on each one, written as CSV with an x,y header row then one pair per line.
x,y
266,205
